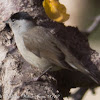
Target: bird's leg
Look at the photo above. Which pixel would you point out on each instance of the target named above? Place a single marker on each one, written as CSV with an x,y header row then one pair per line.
x,y
44,72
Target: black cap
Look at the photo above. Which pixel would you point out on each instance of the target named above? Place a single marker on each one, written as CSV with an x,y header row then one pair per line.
x,y
21,15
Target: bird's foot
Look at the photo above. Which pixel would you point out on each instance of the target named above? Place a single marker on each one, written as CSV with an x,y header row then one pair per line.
x,y
43,73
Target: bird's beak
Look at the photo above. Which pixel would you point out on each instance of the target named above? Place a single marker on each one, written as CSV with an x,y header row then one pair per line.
x,y
7,21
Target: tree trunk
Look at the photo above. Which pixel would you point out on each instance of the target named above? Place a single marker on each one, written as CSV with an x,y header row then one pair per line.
x,y
17,75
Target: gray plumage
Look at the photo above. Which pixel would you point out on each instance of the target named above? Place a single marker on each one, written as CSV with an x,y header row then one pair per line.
x,y
40,48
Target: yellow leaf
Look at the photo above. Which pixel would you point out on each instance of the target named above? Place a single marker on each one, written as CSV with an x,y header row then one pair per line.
x,y
55,10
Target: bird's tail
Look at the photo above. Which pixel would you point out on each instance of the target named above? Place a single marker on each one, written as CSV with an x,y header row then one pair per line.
x,y
78,66
74,63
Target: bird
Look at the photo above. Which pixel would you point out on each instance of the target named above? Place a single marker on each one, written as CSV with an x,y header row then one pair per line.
x,y
40,48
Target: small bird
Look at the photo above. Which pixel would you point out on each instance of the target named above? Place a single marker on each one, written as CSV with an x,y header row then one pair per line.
x,y
40,47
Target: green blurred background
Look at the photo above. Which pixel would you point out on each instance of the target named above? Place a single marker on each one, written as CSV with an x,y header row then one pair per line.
x,y
91,11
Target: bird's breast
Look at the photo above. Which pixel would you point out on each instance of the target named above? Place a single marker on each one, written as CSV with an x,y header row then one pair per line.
x,y
30,57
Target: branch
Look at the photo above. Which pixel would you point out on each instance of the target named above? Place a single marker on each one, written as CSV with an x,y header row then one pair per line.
x,y
79,94
94,24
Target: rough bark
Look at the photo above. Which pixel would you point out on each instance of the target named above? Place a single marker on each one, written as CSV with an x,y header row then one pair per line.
x,y
17,75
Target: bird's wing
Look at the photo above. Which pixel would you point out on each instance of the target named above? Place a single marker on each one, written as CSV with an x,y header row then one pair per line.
x,y
44,44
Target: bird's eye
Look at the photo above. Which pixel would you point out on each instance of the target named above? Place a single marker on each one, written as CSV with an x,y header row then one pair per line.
x,y
13,20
